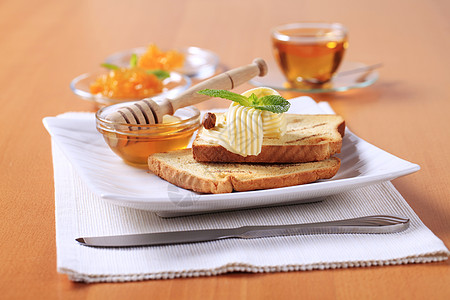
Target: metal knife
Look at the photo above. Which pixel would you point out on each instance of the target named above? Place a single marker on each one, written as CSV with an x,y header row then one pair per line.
x,y
369,224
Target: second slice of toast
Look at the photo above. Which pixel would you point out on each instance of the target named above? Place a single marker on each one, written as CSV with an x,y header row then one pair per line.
x,y
308,138
179,168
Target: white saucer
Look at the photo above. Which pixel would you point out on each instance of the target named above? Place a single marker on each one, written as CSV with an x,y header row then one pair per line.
x,y
340,82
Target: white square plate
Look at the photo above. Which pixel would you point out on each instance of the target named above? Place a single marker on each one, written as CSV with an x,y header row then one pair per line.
x,y
113,180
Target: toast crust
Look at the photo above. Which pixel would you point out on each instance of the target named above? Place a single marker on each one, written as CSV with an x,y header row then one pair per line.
x,y
181,169
269,153
314,147
186,180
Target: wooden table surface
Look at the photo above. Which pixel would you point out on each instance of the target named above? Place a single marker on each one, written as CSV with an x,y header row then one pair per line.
x,y
44,44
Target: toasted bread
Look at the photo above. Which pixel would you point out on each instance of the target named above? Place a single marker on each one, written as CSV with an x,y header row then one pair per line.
x,y
179,167
308,138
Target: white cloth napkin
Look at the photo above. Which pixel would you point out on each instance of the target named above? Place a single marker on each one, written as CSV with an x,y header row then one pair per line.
x,y
79,213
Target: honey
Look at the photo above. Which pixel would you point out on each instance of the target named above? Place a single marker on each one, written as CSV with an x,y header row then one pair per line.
x,y
134,143
135,150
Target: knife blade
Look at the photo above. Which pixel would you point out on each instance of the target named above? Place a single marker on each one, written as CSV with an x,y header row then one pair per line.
x,y
365,225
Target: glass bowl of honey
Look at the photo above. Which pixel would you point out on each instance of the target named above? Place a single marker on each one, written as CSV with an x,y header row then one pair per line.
x,y
134,143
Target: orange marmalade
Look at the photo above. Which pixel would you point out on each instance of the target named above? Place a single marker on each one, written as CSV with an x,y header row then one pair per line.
x,y
132,83
154,58
138,81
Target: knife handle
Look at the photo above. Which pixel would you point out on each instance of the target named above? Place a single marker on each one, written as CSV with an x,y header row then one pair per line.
x,y
370,224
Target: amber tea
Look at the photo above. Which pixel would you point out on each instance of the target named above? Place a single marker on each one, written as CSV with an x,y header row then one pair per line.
x,y
309,52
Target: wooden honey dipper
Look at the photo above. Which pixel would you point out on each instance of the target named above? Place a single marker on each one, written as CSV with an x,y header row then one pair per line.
x,y
151,111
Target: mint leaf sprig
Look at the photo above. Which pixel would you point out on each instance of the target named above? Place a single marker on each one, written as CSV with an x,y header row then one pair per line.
x,y
133,60
110,66
160,74
272,103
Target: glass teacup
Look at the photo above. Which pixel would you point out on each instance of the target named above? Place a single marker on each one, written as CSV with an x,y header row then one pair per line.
x,y
309,52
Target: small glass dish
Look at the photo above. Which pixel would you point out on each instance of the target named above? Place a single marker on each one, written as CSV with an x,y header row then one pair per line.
x,y
134,143
199,63
173,85
344,80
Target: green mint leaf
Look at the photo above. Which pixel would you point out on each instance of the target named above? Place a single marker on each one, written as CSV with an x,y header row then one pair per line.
x,y
272,103
161,74
253,99
110,66
242,100
133,60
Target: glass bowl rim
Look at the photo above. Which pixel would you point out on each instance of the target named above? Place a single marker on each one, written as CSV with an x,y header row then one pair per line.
x,y
100,99
276,34
202,71
112,126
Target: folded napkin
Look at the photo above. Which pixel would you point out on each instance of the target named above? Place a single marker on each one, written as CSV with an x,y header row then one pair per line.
x,y
80,212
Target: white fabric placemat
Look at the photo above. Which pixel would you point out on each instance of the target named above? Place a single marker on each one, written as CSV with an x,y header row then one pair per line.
x,y
79,212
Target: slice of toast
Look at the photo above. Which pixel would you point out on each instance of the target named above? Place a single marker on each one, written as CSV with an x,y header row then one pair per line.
x,y
179,167
308,138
